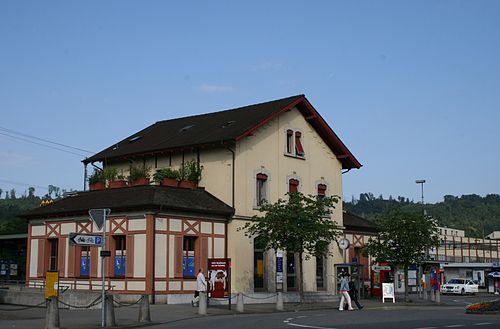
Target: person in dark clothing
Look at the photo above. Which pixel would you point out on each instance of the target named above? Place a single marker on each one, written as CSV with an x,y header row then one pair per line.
x,y
353,293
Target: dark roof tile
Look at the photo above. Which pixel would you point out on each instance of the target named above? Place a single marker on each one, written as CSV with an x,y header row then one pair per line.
x,y
147,197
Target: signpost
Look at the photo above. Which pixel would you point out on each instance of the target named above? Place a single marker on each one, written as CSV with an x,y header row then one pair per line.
x,y
99,218
81,239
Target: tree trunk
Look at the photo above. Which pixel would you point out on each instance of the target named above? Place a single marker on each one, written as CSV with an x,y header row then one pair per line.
x,y
406,282
300,278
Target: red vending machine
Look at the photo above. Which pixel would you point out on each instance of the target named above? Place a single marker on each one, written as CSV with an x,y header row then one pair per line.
x,y
380,274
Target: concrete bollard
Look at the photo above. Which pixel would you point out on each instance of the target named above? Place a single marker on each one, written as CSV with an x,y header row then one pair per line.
x,y
438,296
239,303
433,295
144,314
110,311
279,302
52,313
202,307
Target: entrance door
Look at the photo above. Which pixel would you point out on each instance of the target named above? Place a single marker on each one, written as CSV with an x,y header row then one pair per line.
x,y
291,274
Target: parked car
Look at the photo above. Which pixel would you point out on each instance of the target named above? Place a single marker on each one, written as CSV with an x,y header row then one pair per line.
x,y
459,286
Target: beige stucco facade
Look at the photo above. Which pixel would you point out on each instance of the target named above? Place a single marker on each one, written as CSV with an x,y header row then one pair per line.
x,y
230,173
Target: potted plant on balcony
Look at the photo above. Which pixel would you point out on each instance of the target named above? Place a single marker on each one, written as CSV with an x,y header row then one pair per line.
x,y
97,180
114,179
167,176
139,175
190,174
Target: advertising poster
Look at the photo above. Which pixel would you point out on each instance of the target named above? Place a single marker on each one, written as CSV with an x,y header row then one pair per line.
x,y
217,278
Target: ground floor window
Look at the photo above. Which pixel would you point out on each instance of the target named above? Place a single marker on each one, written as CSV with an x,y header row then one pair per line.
x,y
188,259
258,264
85,262
120,255
291,275
320,272
53,251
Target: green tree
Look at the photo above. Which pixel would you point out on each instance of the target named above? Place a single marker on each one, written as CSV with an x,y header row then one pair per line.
x,y
403,240
300,225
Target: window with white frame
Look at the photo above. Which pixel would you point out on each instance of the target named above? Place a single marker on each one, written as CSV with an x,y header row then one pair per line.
x,y
261,188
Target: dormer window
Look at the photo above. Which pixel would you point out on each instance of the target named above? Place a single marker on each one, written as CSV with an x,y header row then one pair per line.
x,y
294,145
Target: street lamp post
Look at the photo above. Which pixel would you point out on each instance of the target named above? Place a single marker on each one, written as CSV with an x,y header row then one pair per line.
x,y
422,182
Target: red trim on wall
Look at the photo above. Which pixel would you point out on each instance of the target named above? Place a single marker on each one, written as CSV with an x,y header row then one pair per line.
x,y
61,255
150,240
129,270
28,258
178,256
94,259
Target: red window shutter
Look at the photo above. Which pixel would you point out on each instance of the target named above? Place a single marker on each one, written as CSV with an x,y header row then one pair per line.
x,y
321,189
299,150
261,176
204,253
62,256
178,256
40,268
71,261
129,270
293,185
93,262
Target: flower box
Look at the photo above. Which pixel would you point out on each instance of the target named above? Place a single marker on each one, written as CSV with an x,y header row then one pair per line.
x,y
117,183
139,181
97,186
169,182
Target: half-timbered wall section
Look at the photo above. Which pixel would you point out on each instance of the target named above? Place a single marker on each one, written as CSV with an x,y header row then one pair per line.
x,y
139,245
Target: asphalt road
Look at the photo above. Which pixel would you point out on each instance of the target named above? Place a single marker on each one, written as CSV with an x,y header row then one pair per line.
x,y
384,317
409,318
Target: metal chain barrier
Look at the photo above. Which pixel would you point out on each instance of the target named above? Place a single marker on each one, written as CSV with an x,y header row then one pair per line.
x,y
126,304
95,302
268,297
25,307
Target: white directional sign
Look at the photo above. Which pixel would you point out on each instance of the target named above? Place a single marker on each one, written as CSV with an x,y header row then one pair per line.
x,y
82,239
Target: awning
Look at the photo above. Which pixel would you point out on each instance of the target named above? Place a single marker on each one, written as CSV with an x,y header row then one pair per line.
x,y
494,275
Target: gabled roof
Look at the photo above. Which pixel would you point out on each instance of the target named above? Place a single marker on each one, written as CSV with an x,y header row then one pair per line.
x,y
220,128
359,224
145,197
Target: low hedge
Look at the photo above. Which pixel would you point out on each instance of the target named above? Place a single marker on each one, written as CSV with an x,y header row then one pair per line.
x,y
484,307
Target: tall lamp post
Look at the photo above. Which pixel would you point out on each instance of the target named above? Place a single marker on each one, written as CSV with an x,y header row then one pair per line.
x,y
422,182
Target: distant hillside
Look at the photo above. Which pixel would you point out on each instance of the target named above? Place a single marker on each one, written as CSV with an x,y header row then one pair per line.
x,y
10,208
477,215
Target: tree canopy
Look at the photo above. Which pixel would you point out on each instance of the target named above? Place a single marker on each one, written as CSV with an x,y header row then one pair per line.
x,y
403,239
300,224
475,214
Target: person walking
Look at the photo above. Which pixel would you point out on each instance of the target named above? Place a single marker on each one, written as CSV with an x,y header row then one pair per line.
x,y
353,293
344,292
201,286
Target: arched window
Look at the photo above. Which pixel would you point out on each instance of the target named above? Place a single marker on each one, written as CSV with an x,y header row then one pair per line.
x,y
321,190
293,185
261,188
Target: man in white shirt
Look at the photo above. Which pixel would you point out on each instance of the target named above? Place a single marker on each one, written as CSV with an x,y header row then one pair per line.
x,y
201,286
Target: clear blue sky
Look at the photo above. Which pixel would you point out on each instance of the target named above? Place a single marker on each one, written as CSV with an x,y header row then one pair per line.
x,y
411,87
